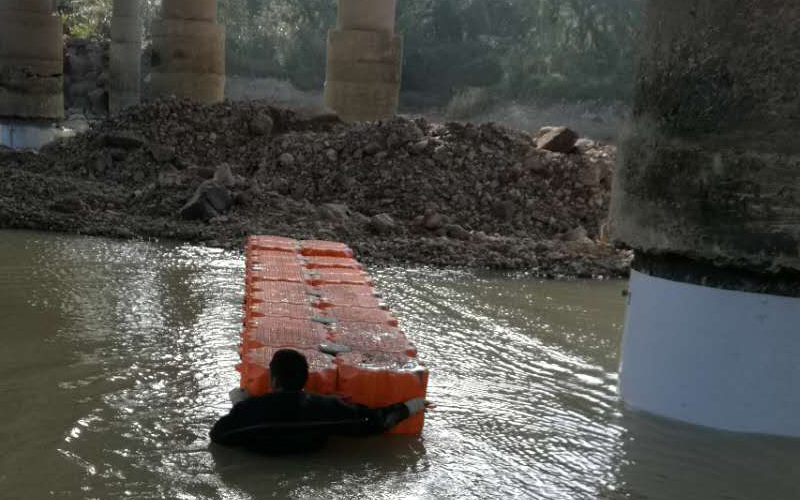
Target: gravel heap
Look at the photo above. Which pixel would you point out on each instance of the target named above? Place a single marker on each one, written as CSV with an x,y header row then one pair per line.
x,y
404,190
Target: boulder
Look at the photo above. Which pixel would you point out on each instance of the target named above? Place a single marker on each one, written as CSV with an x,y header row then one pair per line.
x,y
335,212
286,160
457,232
583,145
261,125
224,176
504,209
382,224
558,140
433,221
420,147
577,235
162,154
209,201
124,139
201,172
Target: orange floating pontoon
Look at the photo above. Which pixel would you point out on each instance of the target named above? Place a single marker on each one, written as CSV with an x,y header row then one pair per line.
x,y
302,294
380,379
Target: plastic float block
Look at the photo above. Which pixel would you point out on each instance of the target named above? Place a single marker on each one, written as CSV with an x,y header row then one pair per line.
x,y
284,332
368,337
332,263
314,248
339,277
349,296
273,243
277,291
276,271
377,379
323,371
272,256
346,315
282,310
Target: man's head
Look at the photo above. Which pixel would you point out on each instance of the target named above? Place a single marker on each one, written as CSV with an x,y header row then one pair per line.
x,y
288,370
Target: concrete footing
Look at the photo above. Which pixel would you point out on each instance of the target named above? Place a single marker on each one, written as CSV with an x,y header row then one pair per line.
x,y
365,60
31,60
712,357
126,55
706,194
189,51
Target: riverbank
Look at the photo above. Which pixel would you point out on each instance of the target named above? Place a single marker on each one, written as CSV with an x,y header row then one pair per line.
x,y
402,191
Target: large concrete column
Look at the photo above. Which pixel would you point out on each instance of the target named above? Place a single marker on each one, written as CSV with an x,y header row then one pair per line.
x,y
31,60
189,51
365,59
126,55
707,192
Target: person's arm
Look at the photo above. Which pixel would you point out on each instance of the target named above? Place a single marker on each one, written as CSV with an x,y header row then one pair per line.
x,y
237,418
364,421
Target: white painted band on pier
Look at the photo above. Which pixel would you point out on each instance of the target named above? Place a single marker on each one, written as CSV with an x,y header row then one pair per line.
x,y
718,358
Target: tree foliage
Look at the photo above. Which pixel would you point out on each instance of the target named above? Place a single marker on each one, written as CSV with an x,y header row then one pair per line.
x,y
521,49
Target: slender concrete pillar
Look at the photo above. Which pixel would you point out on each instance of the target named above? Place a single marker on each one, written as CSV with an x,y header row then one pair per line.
x,y
31,60
365,59
189,51
707,193
126,55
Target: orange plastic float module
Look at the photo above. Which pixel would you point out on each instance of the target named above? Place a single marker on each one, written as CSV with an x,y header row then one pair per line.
x,y
322,377
379,379
305,294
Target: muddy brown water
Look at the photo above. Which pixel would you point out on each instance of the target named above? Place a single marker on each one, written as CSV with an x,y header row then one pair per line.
x,y
117,356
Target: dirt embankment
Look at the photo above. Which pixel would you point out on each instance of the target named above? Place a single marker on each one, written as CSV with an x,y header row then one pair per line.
x,y
406,191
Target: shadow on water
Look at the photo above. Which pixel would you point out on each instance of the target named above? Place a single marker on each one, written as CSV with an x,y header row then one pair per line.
x,y
667,460
350,467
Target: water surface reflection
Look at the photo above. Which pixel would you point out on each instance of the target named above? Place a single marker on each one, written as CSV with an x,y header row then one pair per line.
x,y
118,357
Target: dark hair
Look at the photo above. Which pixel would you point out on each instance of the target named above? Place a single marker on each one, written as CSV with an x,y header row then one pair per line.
x,y
290,369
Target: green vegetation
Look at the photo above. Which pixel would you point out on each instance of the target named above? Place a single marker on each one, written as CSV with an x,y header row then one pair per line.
x,y
462,52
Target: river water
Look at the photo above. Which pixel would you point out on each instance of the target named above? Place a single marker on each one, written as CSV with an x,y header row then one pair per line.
x,y
117,358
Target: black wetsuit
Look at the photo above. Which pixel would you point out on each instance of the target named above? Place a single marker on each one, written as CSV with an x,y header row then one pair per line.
x,y
291,422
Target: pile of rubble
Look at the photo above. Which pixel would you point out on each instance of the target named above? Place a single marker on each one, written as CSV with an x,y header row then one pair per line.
x,y
402,190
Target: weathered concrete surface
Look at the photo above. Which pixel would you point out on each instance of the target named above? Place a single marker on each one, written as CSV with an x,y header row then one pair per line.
x,y
189,52
190,10
367,15
31,60
365,61
710,169
126,55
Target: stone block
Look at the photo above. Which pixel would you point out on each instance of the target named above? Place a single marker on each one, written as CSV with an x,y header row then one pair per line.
x,y
125,66
126,9
207,88
353,45
367,15
26,36
126,30
362,101
190,10
188,47
34,6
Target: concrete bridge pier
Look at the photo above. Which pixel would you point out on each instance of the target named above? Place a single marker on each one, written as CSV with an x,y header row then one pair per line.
x,y
126,55
31,60
365,59
31,72
189,51
707,193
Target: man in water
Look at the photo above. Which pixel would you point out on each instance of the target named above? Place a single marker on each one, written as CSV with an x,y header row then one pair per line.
x,y
289,420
